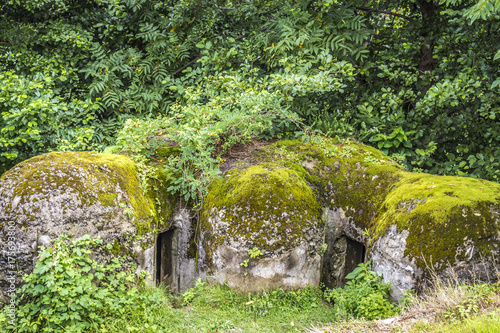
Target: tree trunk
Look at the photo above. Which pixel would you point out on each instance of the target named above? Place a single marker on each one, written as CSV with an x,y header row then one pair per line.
x,y
428,10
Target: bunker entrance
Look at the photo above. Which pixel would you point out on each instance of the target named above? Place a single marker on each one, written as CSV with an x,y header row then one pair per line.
x,y
165,258
354,255
342,256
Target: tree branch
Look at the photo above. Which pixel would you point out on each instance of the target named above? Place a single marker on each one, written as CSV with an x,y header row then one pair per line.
x,y
187,65
385,12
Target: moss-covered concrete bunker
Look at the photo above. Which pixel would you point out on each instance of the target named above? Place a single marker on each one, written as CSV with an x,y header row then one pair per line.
x,y
267,207
283,216
80,193
411,223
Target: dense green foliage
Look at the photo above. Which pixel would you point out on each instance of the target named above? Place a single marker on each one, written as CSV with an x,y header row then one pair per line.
x,y
417,79
70,291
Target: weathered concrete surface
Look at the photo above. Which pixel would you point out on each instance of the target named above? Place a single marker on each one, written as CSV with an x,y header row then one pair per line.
x,y
291,270
184,268
388,256
76,194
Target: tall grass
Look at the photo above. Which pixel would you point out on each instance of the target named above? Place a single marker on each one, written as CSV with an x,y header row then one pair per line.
x,y
450,305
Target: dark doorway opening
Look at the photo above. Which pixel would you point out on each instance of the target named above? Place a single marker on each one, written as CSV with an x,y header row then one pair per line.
x,y
342,256
165,258
354,255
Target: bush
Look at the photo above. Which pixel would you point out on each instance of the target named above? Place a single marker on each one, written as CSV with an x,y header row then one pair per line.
x,y
33,120
364,296
70,291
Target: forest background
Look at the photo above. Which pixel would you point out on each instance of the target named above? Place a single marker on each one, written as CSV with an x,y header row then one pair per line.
x,y
418,79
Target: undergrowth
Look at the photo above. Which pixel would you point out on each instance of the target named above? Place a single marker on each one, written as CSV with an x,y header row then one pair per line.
x,y
71,291
445,306
363,296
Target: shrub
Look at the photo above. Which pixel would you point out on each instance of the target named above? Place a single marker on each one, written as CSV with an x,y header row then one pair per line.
x,y
70,291
363,296
33,120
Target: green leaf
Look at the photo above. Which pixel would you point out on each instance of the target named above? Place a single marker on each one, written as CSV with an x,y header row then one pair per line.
x,y
497,55
354,273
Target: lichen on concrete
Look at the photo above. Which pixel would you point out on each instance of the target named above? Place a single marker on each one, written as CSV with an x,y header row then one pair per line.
x,y
449,221
79,193
95,179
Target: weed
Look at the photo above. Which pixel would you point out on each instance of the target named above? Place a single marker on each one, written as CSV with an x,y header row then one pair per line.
x,y
322,249
370,159
253,253
363,296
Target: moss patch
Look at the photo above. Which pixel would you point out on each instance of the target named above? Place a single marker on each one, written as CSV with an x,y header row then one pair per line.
x,y
445,216
269,206
92,178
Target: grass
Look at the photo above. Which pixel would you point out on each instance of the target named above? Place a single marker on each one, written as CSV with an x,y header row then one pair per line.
x,y
445,307
208,308
486,323
215,320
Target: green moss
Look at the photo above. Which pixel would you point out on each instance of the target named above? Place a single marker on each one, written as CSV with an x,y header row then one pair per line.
x,y
116,247
341,176
163,201
441,213
269,206
167,151
93,179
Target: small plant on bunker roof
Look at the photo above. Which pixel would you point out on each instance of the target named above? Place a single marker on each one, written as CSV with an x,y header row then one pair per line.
x,y
368,235
127,210
254,252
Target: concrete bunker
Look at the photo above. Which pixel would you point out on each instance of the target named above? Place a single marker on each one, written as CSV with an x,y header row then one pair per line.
x,y
166,258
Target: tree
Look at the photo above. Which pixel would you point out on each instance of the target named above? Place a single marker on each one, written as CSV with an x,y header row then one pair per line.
x,y
418,79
